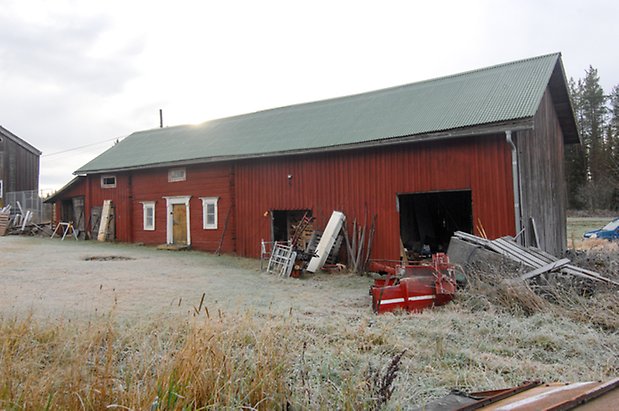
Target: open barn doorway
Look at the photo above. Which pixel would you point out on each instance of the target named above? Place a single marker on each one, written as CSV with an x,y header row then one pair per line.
x,y
428,220
285,222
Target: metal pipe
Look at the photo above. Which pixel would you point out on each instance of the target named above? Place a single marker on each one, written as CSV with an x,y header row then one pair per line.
x,y
515,181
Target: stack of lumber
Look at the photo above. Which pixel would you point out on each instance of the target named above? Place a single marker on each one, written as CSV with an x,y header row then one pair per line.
x,y
5,215
538,260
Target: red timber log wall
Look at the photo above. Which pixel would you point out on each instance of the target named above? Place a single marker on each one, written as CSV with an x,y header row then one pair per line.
x,y
353,180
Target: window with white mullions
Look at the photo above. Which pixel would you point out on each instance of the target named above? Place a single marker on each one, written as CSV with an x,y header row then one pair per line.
x,y
177,174
209,212
108,181
149,215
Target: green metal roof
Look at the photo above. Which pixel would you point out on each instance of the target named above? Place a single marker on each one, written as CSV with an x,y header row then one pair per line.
x,y
501,93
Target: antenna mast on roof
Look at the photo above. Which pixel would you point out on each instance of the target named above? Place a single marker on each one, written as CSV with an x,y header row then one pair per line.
x,y
160,118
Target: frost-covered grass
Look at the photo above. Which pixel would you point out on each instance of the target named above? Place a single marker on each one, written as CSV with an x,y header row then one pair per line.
x,y
321,348
275,361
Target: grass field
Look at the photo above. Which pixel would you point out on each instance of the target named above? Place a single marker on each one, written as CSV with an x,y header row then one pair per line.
x,y
134,333
576,227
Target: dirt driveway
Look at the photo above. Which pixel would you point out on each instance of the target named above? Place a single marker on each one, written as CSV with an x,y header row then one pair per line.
x,y
69,279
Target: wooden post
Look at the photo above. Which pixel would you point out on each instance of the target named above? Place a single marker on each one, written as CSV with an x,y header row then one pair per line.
x,y
105,220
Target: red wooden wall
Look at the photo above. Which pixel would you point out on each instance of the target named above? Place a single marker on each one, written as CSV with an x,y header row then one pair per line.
x,y
214,180
351,181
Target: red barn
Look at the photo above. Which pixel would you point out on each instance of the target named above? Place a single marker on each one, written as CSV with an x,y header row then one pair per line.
x,y
476,151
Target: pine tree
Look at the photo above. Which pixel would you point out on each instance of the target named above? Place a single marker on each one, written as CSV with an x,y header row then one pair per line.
x,y
594,111
613,145
591,115
575,159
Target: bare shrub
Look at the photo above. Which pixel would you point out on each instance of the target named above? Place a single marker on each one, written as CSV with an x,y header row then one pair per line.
x,y
585,301
381,384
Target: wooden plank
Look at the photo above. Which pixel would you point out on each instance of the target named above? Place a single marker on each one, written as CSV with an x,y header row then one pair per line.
x,y
223,233
545,269
581,272
105,220
4,222
519,253
534,232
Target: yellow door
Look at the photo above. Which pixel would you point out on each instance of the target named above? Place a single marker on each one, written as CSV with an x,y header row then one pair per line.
x,y
179,224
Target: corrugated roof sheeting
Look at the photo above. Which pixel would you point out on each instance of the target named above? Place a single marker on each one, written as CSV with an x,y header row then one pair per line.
x,y
500,93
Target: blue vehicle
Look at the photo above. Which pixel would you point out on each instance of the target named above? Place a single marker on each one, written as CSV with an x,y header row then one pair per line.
x,y
609,232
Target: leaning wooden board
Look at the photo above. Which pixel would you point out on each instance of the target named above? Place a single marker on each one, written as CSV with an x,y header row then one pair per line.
x,y
4,222
105,220
326,242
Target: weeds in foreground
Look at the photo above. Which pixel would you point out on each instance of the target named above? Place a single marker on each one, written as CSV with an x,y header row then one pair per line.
x,y
233,361
495,335
583,301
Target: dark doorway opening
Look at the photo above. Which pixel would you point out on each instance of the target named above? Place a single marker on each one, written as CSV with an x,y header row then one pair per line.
x,y
428,220
72,210
285,223
66,211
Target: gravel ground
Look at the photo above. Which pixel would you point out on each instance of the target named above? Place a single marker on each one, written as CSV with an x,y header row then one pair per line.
x,y
53,279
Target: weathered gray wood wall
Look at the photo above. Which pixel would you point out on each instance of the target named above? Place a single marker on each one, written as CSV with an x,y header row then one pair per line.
x,y
542,180
19,166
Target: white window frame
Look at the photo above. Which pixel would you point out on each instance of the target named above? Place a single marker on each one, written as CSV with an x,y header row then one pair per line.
x,y
206,201
146,205
104,185
170,201
174,179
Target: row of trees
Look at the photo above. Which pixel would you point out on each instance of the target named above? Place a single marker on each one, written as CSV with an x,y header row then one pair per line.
x,y
592,169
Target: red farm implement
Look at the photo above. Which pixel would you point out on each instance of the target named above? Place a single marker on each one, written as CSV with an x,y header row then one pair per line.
x,y
414,287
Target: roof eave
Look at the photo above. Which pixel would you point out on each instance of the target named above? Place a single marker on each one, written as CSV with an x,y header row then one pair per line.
x,y
486,129
562,101
19,141
54,197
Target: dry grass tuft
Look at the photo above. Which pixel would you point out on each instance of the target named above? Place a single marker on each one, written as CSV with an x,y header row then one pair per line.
x,y
224,362
581,300
231,361
599,245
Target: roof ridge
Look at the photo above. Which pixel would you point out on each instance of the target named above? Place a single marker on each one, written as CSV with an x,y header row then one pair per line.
x,y
365,93
489,95
20,141
386,89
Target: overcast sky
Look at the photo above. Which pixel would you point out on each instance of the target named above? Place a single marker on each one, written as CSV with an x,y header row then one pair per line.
x,y
77,73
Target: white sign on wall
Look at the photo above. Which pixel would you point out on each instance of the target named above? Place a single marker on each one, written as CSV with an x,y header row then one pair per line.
x,y
1,189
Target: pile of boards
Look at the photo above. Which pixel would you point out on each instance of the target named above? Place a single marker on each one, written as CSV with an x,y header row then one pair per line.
x,y
536,261
19,221
5,216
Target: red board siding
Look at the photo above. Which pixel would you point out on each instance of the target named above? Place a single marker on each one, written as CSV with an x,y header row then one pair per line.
x,y
201,181
351,181
120,196
77,190
355,180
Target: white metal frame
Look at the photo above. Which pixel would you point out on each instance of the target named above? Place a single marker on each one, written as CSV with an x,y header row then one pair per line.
x,y
170,201
282,260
